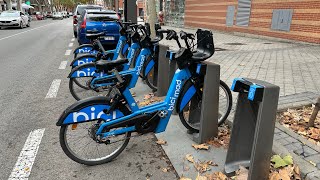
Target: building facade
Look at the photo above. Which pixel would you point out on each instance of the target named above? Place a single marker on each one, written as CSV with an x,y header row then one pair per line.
x,y
288,19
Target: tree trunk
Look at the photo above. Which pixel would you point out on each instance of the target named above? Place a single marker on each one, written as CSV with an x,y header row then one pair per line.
x,y
152,17
9,5
314,113
19,8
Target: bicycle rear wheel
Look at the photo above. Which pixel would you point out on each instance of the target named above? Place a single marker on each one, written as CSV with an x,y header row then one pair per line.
x,y
225,105
150,71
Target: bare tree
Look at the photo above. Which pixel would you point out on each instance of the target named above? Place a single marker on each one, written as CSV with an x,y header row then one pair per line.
x,y
152,17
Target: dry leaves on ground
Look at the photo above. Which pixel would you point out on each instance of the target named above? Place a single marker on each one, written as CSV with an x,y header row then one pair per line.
x,y
283,168
161,142
297,120
149,99
222,139
165,169
200,146
189,157
184,178
204,166
216,176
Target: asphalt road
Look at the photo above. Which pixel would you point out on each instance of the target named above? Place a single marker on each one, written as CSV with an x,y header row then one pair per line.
x,y
29,61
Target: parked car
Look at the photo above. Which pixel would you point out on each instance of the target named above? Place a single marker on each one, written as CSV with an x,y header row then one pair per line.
x,y
13,19
57,15
99,21
39,16
49,15
76,15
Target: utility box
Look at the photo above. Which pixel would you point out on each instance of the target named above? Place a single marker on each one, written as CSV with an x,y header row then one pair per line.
x,y
253,127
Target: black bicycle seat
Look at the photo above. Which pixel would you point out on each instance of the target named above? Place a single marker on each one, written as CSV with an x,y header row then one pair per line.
x,y
155,40
107,66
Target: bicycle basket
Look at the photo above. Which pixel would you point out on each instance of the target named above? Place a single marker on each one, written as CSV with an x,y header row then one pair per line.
x,y
205,45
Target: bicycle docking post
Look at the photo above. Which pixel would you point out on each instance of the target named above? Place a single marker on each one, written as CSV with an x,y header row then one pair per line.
x,y
209,112
166,69
253,127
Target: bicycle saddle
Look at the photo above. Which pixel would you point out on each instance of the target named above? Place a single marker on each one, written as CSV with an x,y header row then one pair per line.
x,y
107,66
205,46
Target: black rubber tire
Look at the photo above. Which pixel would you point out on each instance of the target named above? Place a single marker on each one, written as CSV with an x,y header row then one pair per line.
x,y
222,120
75,34
89,163
73,81
150,84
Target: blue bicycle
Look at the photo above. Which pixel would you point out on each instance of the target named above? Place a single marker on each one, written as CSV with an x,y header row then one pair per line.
x,y
93,83
92,52
96,130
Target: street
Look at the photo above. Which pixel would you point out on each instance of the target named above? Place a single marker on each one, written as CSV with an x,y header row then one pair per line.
x,y
34,92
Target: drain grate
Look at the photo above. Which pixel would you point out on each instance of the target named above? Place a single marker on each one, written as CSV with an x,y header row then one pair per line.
x,y
235,44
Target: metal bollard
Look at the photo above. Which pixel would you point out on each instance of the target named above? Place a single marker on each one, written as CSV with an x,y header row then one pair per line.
x,y
253,127
210,104
163,81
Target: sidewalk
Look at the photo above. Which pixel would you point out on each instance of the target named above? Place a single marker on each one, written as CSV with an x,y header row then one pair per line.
x,y
292,66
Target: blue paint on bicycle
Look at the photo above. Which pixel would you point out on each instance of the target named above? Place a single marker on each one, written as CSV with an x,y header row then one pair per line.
x,y
187,97
92,113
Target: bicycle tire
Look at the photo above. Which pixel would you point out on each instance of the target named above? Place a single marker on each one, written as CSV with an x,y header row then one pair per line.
x,y
221,120
71,154
150,74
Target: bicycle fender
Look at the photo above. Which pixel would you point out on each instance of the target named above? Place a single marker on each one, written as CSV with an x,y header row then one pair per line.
x,y
85,70
90,109
187,92
83,59
148,67
84,48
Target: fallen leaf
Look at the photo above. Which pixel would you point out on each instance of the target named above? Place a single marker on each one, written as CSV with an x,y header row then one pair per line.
x,y
189,157
165,169
288,159
296,169
200,146
199,177
202,167
241,64
161,142
184,178
133,94
242,173
216,176
284,174
274,176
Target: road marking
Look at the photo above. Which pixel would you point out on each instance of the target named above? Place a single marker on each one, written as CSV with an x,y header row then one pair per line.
x,y
24,32
68,52
54,88
22,168
63,65
72,39
70,44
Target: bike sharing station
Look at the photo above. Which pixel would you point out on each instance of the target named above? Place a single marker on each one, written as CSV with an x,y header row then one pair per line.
x,y
253,123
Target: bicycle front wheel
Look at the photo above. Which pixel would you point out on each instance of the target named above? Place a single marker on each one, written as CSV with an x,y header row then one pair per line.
x,y
194,107
78,143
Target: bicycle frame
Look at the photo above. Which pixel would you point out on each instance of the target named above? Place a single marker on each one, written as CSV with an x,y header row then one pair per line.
x,y
144,54
180,77
89,72
122,45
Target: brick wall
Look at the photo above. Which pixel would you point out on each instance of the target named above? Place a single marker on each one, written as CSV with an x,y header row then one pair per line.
x,y
211,14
